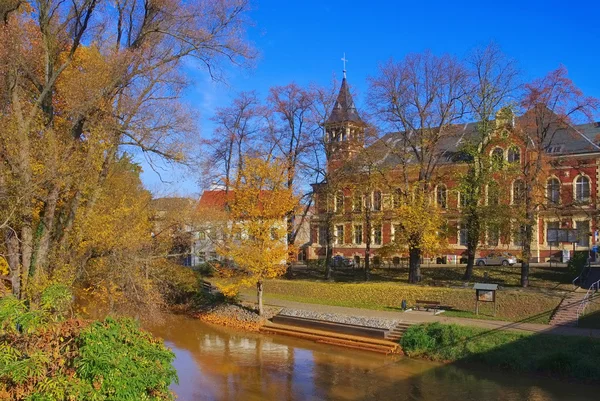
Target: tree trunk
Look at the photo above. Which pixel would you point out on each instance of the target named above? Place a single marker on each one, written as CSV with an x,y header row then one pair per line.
x,y
26,251
526,255
472,241
414,263
12,246
40,258
259,295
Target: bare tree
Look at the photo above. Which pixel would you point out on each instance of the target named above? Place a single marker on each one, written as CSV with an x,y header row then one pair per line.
x,y
551,105
420,97
492,85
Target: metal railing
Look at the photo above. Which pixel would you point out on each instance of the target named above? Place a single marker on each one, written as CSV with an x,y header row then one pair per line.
x,y
586,299
583,275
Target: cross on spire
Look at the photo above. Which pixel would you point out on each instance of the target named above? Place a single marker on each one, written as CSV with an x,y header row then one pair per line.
x,y
345,61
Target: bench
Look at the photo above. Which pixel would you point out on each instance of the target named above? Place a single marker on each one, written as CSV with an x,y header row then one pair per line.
x,y
208,288
435,305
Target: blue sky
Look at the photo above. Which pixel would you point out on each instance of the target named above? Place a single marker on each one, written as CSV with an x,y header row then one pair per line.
x,y
303,41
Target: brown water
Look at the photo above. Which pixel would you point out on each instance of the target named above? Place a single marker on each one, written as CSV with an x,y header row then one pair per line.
x,y
219,364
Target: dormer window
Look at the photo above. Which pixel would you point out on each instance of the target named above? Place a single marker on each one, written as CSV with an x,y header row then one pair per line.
x,y
377,200
514,154
554,149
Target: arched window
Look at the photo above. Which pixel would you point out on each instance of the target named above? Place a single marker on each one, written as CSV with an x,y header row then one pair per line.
x,y
514,154
497,156
553,191
441,196
339,202
518,192
377,200
582,189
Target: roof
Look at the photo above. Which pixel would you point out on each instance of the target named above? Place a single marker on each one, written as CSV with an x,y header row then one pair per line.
x,y
169,203
344,109
572,140
215,199
482,286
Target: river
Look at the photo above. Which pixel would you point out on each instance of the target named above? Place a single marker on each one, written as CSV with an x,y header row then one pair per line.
x,y
217,364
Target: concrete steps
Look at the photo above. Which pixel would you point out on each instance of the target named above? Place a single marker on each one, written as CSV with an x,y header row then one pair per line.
x,y
397,332
326,337
566,313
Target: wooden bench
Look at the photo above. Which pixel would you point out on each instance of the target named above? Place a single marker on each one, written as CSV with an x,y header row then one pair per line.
x,y
208,287
435,305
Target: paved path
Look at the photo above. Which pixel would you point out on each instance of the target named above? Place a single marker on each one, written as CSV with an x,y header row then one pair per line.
x,y
413,317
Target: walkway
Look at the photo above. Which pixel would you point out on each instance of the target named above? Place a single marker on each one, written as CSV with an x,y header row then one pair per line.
x,y
414,317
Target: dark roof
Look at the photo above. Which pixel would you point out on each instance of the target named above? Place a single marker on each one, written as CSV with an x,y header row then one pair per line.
x,y
344,109
576,139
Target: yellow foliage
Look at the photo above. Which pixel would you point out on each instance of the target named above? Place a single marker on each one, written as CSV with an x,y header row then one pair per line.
x,y
4,269
256,230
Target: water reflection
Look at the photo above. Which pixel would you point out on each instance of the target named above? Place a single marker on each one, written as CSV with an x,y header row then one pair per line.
x,y
218,364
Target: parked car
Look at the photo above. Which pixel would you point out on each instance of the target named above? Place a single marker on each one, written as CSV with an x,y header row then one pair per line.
x,y
496,259
340,261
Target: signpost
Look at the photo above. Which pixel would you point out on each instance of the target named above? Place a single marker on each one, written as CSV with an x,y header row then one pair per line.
x,y
485,293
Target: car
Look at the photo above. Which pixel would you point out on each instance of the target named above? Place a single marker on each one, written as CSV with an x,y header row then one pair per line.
x,y
496,259
340,261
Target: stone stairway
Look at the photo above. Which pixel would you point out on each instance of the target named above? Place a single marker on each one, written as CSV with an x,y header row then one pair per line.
x,y
566,313
396,333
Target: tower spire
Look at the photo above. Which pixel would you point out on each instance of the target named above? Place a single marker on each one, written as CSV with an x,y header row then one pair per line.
x,y
344,60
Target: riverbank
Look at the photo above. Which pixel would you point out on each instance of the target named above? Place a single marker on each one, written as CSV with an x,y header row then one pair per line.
x,y
565,357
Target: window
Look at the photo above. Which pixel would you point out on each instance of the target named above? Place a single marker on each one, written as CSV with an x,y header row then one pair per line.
x,y
552,233
323,235
397,230
493,236
339,234
357,203
518,192
582,189
339,202
493,194
553,191
202,257
462,235
583,231
213,256
377,200
202,236
519,237
377,235
274,234
462,199
358,234
441,196
514,154
497,156
397,198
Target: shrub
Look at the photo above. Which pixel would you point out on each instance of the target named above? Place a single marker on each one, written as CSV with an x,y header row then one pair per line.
x,y
46,358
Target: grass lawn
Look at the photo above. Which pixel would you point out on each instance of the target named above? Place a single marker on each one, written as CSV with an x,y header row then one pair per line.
x,y
540,277
513,304
591,318
569,357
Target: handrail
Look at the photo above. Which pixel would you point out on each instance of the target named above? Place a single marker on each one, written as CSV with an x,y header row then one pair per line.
x,y
582,275
586,299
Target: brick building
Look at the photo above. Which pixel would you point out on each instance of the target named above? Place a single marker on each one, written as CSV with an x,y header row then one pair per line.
x,y
567,220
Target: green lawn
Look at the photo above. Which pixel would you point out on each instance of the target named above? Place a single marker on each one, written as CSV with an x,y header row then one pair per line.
x,y
569,357
540,277
512,304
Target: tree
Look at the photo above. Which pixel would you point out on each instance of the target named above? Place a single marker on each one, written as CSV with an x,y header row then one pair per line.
x,y
421,98
81,83
551,104
255,243
492,83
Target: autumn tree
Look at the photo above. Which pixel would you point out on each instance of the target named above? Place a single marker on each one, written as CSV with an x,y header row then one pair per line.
x,y
551,104
256,242
491,85
420,98
80,83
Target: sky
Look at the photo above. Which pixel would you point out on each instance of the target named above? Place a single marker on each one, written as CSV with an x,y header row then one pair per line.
x,y
303,42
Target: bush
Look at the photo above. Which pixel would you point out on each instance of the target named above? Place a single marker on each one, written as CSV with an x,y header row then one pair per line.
x,y
46,358
578,261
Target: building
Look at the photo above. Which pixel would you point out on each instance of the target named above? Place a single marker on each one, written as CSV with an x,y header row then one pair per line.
x,y
567,221
211,228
